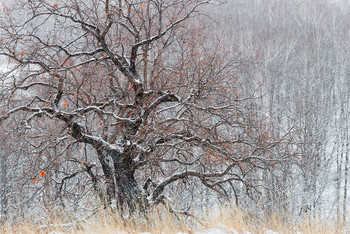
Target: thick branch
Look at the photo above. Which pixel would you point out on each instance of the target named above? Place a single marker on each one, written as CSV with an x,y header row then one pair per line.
x,y
160,188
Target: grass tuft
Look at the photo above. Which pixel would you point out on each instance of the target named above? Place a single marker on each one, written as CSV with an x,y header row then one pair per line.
x,y
223,219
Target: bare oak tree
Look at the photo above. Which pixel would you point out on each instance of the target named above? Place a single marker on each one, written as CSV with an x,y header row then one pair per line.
x,y
143,85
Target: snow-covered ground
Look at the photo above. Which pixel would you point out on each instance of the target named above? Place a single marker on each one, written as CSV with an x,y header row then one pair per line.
x,y
221,229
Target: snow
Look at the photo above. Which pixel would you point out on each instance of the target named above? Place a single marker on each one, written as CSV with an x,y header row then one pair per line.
x,y
270,232
221,229
218,231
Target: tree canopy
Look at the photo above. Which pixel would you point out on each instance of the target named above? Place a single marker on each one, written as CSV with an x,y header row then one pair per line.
x,y
128,98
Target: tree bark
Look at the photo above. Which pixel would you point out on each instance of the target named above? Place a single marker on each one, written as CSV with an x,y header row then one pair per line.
x,y
110,193
119,174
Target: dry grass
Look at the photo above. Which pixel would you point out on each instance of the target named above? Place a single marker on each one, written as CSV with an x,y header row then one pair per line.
x,y
242,222
226,219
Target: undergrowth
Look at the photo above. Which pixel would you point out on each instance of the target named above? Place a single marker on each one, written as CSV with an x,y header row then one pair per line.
x,y
224,219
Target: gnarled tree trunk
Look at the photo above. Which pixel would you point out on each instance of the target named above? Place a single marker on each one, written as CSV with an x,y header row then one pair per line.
x,y
119,173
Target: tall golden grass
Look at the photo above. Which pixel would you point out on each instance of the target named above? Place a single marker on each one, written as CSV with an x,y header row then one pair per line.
x,y
223,219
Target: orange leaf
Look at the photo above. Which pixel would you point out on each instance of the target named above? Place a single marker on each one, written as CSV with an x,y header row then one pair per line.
x,y
65,103
116,41
47,104
79,68
22,53
75,95
42,173
142,5
34,180
55,5
101,123
80,160
80,147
